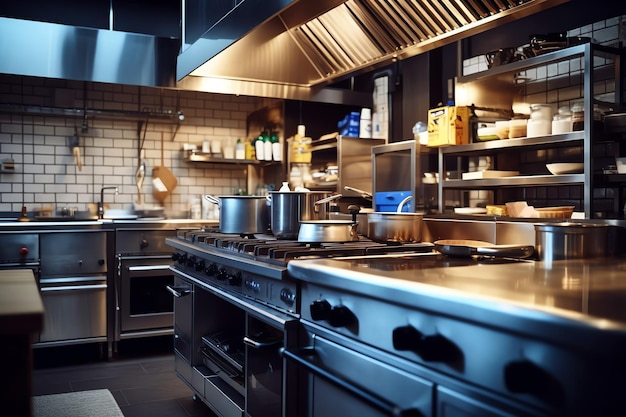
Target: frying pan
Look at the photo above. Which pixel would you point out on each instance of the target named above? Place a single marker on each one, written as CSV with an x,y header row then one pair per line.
x,y
467,248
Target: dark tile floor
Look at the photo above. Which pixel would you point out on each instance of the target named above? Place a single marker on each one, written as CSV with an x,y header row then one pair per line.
x,y
141,377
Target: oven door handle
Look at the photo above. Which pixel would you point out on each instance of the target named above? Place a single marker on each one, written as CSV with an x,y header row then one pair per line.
x,y
178,292
148,268
260,345
74,288
372,398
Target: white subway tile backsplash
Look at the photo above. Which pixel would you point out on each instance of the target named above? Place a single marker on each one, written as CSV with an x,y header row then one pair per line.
x,y
109,149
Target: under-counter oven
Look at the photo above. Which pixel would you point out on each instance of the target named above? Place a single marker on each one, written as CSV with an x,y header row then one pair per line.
x,y
232,357
143,305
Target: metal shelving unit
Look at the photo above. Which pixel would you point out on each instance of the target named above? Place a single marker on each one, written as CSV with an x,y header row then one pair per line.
x,y
500,85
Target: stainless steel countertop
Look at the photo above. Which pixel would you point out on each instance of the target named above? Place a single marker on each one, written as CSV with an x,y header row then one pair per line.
x,y
579,302
13,224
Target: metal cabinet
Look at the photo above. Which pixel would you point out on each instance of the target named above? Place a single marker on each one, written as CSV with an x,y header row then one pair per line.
x,y
73,287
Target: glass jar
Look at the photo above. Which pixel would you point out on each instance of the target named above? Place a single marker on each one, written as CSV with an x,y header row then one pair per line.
x,y
540,122
578,116
562,121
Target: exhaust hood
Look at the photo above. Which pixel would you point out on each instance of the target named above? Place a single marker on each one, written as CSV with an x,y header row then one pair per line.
x,y
50,50
309,44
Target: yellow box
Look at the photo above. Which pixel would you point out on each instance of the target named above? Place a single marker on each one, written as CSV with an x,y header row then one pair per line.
x,y
449,125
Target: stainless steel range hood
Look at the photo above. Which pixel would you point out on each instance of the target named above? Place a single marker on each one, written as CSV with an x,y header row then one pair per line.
x,y
51,50
311,43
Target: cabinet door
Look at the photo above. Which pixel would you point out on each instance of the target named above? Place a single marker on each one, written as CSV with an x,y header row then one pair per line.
x,y
182,290
454,404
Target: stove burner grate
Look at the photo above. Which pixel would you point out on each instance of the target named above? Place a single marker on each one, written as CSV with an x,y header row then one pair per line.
x,y
266,248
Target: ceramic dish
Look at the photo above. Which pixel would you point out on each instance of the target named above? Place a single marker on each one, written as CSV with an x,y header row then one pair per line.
x,y
565,168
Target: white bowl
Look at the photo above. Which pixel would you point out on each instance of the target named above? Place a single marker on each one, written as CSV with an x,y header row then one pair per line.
x,y
621,165
565,168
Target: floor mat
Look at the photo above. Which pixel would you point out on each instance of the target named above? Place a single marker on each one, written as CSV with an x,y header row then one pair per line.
x,y
94,403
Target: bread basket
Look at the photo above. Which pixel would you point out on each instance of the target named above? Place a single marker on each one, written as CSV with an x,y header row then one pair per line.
x,y
563,212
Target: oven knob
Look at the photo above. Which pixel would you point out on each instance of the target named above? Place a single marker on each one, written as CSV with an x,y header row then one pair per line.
x,y
287,296
526,377
182,259
433,348
234,279
320,310
23,251
211,270
144,244
200,266
175,256
252,285
191,261
338,316
221,274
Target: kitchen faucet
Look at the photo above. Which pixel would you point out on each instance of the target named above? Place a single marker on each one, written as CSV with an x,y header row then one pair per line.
x,y
101,203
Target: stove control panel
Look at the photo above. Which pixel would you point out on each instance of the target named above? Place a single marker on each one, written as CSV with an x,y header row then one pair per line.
x,y
518,367
281,293
19,248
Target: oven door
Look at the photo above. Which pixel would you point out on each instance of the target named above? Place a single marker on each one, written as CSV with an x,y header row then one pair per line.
x,y
75,309
343,382
144,303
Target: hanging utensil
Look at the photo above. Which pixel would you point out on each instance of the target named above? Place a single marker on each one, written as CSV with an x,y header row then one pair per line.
x,y
74,142
140,175
163,180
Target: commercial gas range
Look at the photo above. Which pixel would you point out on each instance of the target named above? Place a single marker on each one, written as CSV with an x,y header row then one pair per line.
x,y
462,336
237,308
255,266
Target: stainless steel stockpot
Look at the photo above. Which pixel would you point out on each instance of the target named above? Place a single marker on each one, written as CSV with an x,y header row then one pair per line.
x,y
289,208
242,214
554,241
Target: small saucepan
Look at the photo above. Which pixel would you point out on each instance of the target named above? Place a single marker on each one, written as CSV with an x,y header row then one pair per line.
x,y
320,231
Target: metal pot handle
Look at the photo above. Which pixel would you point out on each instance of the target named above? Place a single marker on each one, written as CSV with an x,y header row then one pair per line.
x,y
403,202
327,199
212,199
364,194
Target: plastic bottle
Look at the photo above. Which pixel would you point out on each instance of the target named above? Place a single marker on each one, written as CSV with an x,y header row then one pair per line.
x,y
267,146
240,150
250,151
260,148
277,147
